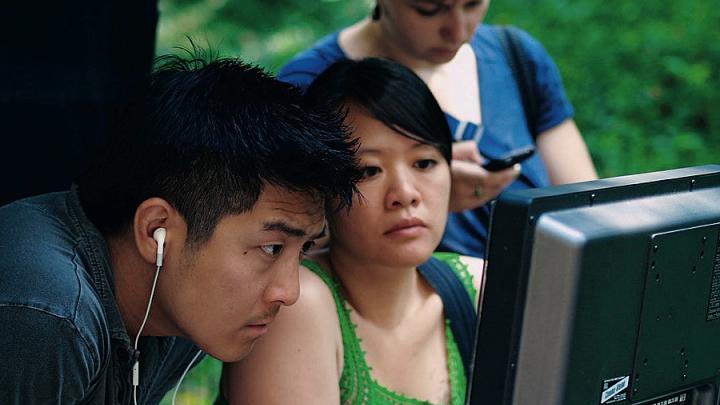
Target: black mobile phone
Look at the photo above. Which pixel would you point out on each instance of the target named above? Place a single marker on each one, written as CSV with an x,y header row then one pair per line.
x,y
516,156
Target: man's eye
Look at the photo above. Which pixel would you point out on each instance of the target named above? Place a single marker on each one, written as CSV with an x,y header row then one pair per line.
x,y
425,164
370,171
272,250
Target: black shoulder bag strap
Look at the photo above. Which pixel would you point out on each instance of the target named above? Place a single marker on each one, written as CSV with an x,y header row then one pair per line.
x,y
521,69
458,306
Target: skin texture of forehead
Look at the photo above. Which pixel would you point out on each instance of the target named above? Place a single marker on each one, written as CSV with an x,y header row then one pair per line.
x,y
311,205
289,203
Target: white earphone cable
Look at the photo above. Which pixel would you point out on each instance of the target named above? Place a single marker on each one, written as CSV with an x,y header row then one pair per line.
x,y
136,366
177,387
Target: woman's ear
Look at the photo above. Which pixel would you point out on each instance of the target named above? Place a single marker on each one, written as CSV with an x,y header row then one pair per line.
x,y
151,215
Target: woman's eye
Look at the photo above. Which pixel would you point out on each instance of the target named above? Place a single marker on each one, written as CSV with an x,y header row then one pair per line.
x,y
425,164
307,246
272,250
473,4
370,171
428,12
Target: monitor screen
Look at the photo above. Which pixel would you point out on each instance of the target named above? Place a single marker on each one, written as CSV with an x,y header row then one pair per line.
x,y
603,292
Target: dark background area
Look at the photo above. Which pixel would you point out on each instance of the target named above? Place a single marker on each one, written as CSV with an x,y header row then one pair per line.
x,y
67,69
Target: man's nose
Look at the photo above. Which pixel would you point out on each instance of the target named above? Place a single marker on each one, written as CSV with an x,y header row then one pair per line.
x,y
285,286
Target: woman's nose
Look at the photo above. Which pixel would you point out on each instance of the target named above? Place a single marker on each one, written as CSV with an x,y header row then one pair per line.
x,y
454,28
402,190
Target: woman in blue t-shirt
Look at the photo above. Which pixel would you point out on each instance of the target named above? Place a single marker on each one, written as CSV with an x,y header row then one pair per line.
x,y
463,63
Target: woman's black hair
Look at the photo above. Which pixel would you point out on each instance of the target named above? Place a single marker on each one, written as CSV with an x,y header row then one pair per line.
x,y
389,92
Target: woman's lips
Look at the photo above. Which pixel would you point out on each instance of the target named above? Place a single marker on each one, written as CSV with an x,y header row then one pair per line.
x,y
406,227
443,53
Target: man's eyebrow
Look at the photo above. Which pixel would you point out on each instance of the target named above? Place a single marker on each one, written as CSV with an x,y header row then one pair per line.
x,y
284,228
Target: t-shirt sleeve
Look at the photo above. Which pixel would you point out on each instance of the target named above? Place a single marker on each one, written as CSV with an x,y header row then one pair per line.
x,y
45,359
307,65
301,71
554,106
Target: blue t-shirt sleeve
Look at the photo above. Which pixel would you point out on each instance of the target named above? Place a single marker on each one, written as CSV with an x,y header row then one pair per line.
x,y
302,69
554,107
46,360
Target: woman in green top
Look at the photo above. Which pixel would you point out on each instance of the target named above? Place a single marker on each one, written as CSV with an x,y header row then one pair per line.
x,y
367,328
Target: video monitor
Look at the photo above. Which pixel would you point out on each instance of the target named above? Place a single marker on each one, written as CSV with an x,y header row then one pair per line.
x,y
603,292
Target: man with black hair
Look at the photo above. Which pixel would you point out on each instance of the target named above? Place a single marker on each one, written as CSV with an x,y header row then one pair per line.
x,y
186,234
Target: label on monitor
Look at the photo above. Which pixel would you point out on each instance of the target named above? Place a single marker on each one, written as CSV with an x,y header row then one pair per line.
x,y
713,312
614,390
680,398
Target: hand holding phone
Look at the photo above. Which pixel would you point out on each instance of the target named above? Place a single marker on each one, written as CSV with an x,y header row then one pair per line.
x,y
508,160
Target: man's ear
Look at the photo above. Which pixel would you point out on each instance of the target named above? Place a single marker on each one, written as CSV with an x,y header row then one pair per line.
x,y
150,215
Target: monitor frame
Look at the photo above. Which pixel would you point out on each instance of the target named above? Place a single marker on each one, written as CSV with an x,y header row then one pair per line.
x,y
515,219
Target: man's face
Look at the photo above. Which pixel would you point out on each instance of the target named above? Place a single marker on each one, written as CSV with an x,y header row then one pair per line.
x,y
223,294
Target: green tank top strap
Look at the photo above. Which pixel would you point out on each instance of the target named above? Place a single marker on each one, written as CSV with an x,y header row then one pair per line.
x,y
461,270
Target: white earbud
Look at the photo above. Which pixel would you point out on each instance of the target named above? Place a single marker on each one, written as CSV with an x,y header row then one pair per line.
x,y
159,236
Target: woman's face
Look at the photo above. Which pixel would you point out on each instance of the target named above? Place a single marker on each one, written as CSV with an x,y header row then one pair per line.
x,y
401,215
430,31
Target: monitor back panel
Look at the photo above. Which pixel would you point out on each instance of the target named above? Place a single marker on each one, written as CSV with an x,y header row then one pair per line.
x,y
621,303
534,229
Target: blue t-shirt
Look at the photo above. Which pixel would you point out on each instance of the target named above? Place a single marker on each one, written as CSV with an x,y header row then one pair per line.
x,y
503,126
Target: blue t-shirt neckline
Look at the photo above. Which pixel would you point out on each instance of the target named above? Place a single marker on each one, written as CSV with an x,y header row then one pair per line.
x,y
461,130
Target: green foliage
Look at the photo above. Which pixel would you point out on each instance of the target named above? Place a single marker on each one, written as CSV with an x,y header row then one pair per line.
x,y
200,386
643,75
266,32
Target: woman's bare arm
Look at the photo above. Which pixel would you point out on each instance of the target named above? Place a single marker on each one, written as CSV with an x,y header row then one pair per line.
x,y
299,360
565,154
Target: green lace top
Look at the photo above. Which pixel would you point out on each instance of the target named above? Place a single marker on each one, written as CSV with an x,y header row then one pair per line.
x,y
357,386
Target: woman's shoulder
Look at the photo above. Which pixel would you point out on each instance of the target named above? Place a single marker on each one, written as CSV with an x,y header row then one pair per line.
x,y
317,287
304,67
